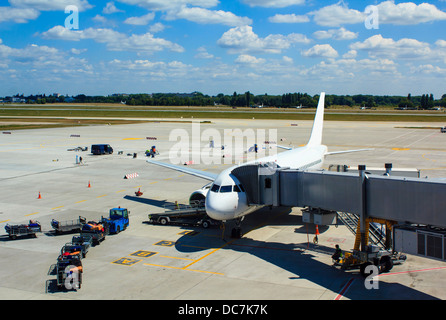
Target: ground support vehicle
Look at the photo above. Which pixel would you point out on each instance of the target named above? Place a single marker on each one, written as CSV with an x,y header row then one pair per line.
x,y
69,225
183,214
443,130
83,242
96,231
101,149
69,271
77,246
29,229
384,260
117,221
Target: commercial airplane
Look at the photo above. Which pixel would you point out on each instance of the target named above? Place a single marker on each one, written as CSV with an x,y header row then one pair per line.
x,y
225,198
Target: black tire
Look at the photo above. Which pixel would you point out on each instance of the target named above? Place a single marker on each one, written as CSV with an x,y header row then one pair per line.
x,y
163,221
386,264
206,224
363,267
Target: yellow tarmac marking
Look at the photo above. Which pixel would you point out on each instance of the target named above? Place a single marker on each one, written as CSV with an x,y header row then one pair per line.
x,y
401,149
178,268
27,215
153,182
120,191
80,201
178,258
101,196
57,207
5,220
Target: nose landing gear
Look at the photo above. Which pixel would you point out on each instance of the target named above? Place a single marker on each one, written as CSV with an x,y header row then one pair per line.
x,y
236,232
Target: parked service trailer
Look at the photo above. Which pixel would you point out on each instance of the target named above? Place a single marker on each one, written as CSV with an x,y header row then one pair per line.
x,y
69,225
96,231
183,214
18,230
69,272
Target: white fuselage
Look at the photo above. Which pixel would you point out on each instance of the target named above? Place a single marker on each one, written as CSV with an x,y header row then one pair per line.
x,y
227,199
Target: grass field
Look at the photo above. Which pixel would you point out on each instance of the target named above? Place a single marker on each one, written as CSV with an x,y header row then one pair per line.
x,y
15,117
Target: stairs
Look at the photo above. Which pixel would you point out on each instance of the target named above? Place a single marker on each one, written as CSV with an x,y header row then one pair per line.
x,y
374,232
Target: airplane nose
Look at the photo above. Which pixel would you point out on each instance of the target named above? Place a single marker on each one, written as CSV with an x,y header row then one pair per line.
x,y
220,207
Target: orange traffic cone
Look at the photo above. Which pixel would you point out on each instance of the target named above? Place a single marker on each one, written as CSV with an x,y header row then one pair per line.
x,y
89,185
138,193
39,197
317,230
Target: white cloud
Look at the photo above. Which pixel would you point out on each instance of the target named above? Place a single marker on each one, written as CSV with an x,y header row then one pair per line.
x,y
111,8
205,16
320,51
441,43
157,27
408,13
51,5
35,59
288,18
163,5
203,54
273,3
248,59
99,18
336,34
350,55
377,46
140,21
18,15
115,41
428,69
244,40
336,15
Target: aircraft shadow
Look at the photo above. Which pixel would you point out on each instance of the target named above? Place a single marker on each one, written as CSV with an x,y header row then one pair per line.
x,y
300,259
151,202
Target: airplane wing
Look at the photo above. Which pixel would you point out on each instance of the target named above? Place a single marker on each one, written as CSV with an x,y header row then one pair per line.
x,y
198,173
283,147
347,151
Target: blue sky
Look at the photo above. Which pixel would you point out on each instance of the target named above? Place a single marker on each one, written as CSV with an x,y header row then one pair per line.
x,y
217,46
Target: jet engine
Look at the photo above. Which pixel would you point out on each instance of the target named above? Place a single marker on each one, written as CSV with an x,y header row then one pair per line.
x,y
198,197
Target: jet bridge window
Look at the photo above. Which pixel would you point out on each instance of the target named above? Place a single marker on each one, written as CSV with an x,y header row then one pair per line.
x,y
215,188
225,189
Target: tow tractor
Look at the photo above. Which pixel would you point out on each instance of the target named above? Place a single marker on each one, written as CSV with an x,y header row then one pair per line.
x,y
29,229
194,214
118,220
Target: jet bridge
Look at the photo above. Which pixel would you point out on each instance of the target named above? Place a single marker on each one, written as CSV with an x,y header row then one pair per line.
x,y
402,200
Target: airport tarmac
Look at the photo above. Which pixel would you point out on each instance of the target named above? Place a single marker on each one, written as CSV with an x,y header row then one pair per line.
x,y
274,260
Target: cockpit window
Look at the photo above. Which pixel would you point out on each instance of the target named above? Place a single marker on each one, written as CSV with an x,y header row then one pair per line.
x,y
241,188
236,188
215,188
226,189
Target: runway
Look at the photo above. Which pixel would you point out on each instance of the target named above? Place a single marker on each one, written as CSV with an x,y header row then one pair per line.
x,y
274,260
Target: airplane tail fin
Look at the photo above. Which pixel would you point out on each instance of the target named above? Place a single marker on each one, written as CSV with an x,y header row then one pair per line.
x,y
316,132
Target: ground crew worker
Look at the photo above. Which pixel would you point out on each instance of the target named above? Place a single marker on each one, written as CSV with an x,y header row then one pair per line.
x,y
338,254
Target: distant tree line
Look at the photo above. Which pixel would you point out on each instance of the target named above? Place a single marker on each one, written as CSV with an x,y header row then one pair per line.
x,y
246,99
